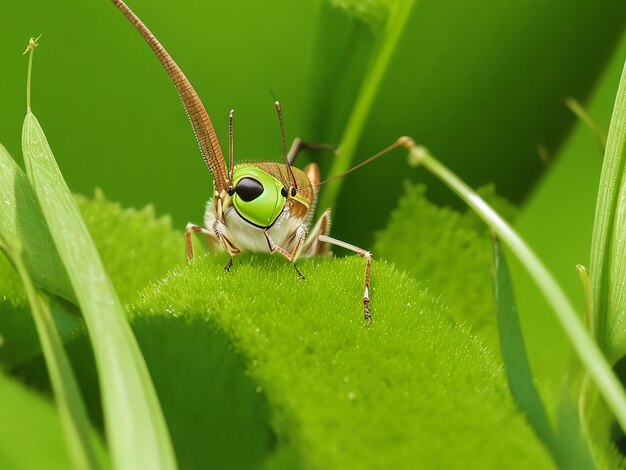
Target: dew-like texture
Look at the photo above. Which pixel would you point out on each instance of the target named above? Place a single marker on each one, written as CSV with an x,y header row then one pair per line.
x,y
449,252
413,390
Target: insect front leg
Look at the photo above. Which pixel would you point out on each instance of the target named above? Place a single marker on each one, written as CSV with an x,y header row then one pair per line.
x,y
293,256
225,237
364,254
216,237
211,237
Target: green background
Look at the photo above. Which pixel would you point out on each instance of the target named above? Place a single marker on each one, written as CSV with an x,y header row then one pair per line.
x,y
481,84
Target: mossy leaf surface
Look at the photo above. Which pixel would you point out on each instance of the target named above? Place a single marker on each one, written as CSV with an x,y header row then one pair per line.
x,y
414,388
449,252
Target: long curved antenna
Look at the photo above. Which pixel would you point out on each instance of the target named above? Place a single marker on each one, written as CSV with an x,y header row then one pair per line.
x,y
401,142
200,121
231,164
398,143
292,179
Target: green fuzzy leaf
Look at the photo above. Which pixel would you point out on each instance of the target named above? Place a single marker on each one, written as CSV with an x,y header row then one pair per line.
x,y
234,367
608,253
447,251
136,430
414,387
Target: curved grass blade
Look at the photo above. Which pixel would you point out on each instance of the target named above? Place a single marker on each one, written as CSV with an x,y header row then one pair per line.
x,y
586,349
516,365
608,246
136,430
566,446
81,441
21,219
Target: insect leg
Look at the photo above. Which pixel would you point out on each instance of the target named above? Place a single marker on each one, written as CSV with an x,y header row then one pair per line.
x,y
298,146
364,254
225,237
197,228
313,246
291,257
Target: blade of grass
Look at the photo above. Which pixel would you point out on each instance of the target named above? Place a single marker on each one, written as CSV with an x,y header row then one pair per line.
x,y
566,446
573,446
81,441
587,350
21,219
608,246
135,427
397,17
516,365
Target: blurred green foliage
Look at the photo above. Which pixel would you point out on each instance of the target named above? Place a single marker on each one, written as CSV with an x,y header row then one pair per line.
x,y
480,83
27,412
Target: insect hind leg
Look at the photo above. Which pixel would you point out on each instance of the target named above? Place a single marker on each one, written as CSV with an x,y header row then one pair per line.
x,y
368,266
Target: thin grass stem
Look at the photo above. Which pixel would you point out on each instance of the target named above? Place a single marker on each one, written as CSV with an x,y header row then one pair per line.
x,y
361,110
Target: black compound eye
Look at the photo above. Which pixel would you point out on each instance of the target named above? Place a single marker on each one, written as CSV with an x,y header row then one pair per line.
x,y
248,189
283,192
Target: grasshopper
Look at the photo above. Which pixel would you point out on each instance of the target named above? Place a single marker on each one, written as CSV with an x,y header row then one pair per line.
x,y
257,206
